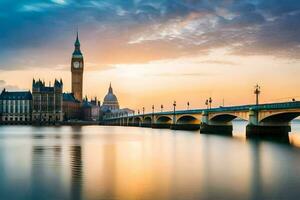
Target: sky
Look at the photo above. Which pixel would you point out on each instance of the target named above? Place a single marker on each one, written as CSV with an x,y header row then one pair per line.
x,y
155,52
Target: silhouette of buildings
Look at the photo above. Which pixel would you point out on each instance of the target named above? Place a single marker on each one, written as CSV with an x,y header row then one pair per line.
x,y
49,105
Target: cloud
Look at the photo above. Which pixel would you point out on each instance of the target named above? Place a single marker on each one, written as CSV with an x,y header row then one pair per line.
x,y
3,85
196,74
61,2
218,62
39,7
131,31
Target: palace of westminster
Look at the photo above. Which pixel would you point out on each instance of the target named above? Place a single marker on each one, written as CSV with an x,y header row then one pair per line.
x,y
50,105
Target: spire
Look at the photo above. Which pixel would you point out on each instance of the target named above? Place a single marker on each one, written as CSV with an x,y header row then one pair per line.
x,y
77,46
110,90
77,43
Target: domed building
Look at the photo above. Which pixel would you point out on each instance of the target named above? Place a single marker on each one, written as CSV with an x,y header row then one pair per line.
x,y
110,102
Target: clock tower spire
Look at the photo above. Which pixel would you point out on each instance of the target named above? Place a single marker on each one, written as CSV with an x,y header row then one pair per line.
x,y
77,66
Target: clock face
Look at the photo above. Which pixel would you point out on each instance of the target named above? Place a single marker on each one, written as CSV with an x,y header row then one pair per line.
x,y
76,65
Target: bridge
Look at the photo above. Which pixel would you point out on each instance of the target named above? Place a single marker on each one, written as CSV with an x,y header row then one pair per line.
x,y
263,119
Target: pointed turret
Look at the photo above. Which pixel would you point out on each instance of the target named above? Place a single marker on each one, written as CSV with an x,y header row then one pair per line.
x,y
77,46
77,43
110,90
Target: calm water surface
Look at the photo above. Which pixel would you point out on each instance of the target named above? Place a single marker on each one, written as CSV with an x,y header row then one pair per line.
x,y
94,162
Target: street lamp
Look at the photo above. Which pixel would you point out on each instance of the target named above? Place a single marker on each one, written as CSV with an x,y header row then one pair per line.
x,y
161,107
143,110
188,105
152,114
210,101
174,107
206,103
138,111
257,92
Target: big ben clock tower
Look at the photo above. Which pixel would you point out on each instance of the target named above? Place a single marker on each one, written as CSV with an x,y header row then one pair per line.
x,y
77,70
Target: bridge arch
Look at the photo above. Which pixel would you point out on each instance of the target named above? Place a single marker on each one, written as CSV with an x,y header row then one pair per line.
x,y
147,120
280,117
130,121
137,121
187,119
228,117
164,120
223,118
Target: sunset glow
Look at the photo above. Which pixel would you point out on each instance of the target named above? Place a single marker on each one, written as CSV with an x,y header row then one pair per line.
x,y
174,50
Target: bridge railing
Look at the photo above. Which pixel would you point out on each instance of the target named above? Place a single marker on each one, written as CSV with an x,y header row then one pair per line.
x,y
268,106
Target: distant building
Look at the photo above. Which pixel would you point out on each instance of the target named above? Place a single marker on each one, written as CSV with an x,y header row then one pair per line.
x,y
119,113
15,107
111,107
91,110
71,107
47,102
110,102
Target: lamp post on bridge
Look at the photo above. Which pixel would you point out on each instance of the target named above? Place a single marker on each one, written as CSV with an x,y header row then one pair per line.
x,y
188,105
138,111
143,110
152,114
257,92
161,107
174,112
208,103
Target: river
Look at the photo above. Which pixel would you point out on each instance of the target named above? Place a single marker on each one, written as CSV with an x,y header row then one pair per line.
x,y
98,162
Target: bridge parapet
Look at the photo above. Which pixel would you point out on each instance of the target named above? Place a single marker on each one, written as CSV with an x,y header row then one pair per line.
x,y
263,115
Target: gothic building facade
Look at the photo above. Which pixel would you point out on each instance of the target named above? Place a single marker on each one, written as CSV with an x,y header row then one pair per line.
x,y
47,102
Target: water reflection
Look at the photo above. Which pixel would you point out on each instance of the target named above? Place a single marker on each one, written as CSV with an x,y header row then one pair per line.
x,y
256,186
95,162
76,172
280,138
46,172
76,164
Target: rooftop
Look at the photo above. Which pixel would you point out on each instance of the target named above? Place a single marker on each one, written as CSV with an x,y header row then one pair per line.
x,y
15,95
69,97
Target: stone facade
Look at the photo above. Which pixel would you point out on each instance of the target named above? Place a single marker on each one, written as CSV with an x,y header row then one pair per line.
x,y
71,107
47,102
91,110
15,107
